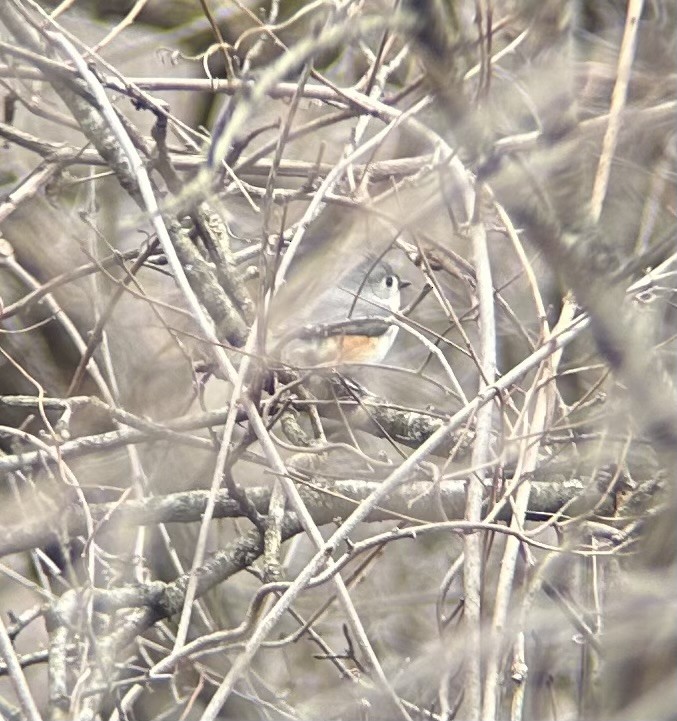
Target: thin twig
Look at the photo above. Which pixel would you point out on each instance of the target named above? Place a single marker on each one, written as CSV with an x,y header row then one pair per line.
x,y
625,59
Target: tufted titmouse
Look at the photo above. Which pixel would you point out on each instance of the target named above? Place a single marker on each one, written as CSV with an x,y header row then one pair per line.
x,y
347,323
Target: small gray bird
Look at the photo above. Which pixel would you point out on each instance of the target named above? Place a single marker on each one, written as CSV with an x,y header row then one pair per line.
x,y
347,322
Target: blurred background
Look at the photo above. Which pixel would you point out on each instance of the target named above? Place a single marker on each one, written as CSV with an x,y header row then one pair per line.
x,y
339,132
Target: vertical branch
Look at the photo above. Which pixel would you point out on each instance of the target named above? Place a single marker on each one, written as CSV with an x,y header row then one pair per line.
x,y
16,676
472,569
518,674
625,59
542,396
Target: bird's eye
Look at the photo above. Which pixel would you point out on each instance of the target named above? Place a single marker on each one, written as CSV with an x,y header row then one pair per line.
x,y
390,281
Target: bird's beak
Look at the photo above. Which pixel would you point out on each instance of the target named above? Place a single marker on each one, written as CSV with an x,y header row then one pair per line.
x,y
404,284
